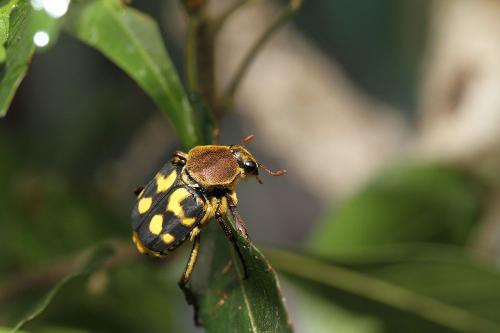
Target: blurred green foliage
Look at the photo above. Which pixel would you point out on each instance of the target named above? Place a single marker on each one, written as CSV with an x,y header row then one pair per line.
x,y
396,251
38,208
407,204
407,288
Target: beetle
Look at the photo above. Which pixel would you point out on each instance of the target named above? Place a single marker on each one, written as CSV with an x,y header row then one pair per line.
x,y
188,192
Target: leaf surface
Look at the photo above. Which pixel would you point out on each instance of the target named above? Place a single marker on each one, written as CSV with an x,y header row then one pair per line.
x,y
229,303
17,48
410,289
133,42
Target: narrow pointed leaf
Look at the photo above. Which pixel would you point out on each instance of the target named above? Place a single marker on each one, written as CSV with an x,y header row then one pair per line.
x,y
133,42
84,265
17,48
8,330
410,289
57,329
229,303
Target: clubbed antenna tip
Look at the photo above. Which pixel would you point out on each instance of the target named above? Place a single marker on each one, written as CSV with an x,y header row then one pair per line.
x,y
272,173
247,139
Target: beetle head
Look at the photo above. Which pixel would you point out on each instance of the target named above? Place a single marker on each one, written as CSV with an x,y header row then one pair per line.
x,y
247,163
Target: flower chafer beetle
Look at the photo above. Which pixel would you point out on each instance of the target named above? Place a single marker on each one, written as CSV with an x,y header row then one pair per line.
x,y
189,191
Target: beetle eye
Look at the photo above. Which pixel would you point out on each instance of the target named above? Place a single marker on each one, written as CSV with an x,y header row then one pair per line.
x,y
250,167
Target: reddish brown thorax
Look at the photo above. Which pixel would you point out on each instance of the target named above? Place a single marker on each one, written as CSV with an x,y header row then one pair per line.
x,y
212,166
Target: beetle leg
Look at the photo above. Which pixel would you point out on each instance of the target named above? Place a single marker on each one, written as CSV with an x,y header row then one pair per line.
x,y
180,157
186,275
232,239
238,221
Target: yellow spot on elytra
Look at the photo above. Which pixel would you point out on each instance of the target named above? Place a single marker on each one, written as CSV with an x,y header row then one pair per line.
x,y
188,221
164,183
167,238
156,224
138,243
174,206
174,202
144,205
142,249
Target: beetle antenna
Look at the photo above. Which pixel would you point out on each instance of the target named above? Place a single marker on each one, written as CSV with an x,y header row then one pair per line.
x,y
247,139
259,180
272,173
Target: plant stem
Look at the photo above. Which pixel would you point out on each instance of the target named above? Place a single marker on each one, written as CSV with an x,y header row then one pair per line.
x,y
206,62
192,55
218,22
200,72
200,62
232,88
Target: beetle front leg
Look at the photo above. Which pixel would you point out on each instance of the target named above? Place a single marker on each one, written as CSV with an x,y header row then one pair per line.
x,y
238,221
229,235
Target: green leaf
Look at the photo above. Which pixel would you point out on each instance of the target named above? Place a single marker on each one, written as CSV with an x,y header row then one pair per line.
x,y
18,24
416,203
3,54
410,289
133,42
32,201
206,118
18,49
86,264
58,329
8,330
5,10
229,303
